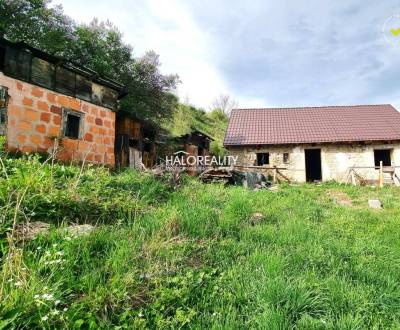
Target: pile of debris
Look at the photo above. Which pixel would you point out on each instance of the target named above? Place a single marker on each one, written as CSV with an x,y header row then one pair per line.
x,y
226,175
249,180
223,175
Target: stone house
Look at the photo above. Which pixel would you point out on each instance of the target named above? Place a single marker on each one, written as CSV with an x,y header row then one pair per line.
x,y
317,143
45,100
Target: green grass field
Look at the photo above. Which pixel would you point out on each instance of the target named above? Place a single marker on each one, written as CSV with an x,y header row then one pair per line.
x,y
194,257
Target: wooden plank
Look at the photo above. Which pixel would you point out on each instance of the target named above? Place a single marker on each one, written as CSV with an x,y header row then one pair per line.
x,y
261,167
283,176
42,72
17,63
83,88
380,174
65,81
375,167
396,180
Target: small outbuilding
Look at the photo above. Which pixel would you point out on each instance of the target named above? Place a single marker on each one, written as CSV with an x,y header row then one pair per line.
x,y
135,144
195,143
311,144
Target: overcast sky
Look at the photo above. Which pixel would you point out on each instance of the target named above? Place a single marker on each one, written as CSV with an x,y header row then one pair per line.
x,y
263,53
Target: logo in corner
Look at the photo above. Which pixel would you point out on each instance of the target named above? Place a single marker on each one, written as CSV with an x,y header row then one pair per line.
x,y
391,30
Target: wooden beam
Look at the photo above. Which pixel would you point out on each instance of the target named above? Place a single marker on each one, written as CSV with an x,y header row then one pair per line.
x,y
283,176
380,174
261,167
353,179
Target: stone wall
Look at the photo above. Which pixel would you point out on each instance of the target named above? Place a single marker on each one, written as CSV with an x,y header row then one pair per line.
x,y
34,121
336,159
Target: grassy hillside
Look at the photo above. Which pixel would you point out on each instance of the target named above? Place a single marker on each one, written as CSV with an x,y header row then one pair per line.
x,y
214,123
195,256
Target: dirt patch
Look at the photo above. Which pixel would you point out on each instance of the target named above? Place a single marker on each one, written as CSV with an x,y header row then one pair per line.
x,y
29,231
340,197
256,218
79,230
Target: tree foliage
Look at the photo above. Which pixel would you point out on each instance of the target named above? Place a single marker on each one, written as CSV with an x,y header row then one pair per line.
x,y
99,46
34,22
150,90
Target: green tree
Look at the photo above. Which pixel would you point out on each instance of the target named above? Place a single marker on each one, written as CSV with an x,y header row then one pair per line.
x,y
34,22
150,93
99,46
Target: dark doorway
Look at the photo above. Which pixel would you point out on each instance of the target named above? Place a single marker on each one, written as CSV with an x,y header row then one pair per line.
x,y
72,126
262,159
313,165
382,155
200,151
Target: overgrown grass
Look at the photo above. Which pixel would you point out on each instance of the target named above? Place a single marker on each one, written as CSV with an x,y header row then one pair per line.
x,y
194,257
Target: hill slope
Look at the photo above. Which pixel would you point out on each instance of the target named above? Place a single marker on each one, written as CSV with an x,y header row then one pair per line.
x,y
213,123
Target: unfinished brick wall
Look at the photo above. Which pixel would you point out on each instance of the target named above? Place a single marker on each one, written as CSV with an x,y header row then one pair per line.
x,y
34,121
336,159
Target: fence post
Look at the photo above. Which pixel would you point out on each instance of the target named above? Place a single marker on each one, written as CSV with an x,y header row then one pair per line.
x,y
353,179
380,174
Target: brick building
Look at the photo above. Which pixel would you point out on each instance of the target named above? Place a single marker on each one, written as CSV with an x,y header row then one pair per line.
x,y
44,99
318,143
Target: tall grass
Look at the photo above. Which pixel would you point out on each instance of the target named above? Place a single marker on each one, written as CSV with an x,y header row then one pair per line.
x,y
194,257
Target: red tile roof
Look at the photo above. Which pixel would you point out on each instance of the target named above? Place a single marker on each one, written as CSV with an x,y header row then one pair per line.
x,y
313,125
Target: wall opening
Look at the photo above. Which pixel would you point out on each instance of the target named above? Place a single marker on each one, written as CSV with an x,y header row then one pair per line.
x,y
313,165
147,146
262,159
72,124
285,157
382,155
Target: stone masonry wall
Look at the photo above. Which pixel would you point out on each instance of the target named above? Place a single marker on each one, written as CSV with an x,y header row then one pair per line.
x,y
34,120
336,159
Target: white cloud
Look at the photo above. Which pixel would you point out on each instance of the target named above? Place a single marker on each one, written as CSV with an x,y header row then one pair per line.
x,y
167,28
308,52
